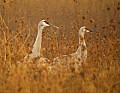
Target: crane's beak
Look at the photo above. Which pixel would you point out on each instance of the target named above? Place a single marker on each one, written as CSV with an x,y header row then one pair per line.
x,y
54,26
49,24
88,30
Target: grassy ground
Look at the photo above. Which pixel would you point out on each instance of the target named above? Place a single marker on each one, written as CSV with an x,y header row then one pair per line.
x,y
99,74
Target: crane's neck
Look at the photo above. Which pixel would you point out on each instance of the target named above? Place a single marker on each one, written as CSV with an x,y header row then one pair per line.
x,y
82,44
37,45
82,40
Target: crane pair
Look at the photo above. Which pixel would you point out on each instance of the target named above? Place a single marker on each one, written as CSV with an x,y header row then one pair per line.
x,y
80,55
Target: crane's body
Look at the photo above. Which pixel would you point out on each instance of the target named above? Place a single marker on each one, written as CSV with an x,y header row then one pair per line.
x,y
81,54
37,45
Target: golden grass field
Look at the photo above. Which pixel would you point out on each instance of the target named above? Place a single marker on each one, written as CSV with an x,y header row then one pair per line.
x,y
18,29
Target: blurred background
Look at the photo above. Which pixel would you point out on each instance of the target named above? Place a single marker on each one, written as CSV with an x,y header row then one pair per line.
x,y
61,12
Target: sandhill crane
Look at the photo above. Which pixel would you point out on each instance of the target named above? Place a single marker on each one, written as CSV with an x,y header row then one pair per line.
x,y
81,54
37,45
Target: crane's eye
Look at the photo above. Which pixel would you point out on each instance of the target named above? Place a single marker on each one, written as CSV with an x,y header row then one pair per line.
x,y
46,22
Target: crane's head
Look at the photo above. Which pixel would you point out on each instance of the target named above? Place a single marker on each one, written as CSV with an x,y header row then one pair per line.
x,y
44,23
84,29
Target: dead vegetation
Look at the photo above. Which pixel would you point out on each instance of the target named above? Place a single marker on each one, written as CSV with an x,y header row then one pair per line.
x,y
100,73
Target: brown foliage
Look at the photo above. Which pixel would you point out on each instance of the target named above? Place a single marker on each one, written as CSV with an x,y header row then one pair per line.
x,y
18,29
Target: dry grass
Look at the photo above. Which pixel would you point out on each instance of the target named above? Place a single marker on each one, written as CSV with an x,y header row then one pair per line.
x,y
100,73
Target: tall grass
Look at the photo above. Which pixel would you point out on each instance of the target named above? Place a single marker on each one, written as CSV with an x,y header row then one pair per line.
x,y
18,29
